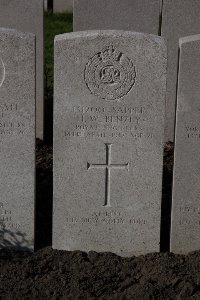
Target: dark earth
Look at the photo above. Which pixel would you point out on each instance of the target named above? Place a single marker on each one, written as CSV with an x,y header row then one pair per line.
x,y
52,274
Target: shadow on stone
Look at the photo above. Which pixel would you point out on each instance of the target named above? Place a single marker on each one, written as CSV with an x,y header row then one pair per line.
x,y
15,241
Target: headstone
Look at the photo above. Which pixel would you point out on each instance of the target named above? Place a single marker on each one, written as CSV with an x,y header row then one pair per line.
x,y
27,16
108,141
180,18
17,139
46,5
60,6
136,15
185,230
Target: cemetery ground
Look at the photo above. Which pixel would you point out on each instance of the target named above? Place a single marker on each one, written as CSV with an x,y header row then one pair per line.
x,y
52,274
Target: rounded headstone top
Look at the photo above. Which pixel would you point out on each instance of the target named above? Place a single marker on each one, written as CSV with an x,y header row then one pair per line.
x,y
188,39
108,33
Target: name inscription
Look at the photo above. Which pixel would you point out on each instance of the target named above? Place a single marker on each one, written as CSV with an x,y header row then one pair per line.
x,y
117,122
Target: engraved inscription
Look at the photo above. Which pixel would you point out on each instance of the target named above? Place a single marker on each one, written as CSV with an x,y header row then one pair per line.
x,y
108,110
111,122
6,220
189,209
2,72
187,222
10,125
189,215
109,74
108,166
193,132
107,218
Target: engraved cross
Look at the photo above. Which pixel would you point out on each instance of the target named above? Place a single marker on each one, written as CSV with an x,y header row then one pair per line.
x,y
108,166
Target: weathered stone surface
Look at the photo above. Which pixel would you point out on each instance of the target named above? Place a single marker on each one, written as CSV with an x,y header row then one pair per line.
x,y
27,16
186,187
108,141
136,15
60,6
180,18
17,139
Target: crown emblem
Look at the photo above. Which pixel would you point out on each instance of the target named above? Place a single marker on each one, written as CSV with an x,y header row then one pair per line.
x,y
110,53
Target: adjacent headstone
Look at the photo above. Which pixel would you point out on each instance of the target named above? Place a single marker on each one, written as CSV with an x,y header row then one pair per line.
x,y
136,15
185,231
17,139
108,141
46,5
180,18
27,16
60,6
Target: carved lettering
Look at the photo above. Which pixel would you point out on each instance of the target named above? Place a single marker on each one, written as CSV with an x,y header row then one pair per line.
x,y
74,134
109,218
5,107
119,119
110,109
188,209
138,221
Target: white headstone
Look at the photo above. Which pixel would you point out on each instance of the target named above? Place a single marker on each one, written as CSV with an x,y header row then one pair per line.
x,y
108,141
60,6
179,18
17,139
27,16
185,230
136,15
46,5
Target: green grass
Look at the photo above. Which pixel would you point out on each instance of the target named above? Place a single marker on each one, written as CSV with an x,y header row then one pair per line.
x,y
54,24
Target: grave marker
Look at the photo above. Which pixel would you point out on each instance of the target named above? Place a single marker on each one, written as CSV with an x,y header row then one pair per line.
x,y
27,16
108,141
17,139
136,15
186,186
46,5
179,18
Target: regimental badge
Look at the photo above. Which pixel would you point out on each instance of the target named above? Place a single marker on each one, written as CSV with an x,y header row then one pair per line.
x,y
109,74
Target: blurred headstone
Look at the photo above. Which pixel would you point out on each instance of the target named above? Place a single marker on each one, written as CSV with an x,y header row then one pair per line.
x,y
179,18
186,186
27,16
17,139
60,6
135,15
46,5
